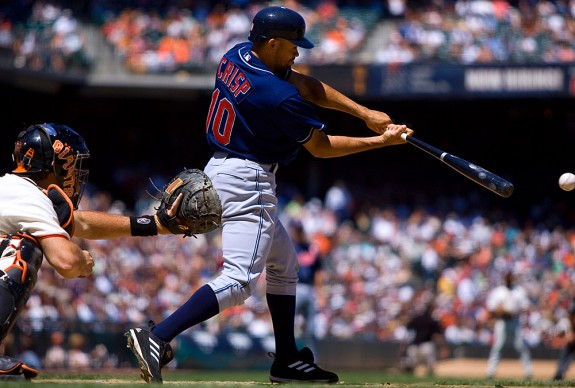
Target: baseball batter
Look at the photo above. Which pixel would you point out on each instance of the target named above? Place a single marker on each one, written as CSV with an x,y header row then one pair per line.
x,y
506,303
260,115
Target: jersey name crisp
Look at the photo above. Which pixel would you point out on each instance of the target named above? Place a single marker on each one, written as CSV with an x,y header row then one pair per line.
x,y
234,79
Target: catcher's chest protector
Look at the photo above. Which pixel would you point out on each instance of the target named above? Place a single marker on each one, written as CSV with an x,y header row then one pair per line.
x,y
20,260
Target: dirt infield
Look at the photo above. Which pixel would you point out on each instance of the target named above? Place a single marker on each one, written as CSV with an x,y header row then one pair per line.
x,y
542,369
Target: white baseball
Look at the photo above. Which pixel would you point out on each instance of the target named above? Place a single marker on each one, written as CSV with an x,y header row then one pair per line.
x,y
567,181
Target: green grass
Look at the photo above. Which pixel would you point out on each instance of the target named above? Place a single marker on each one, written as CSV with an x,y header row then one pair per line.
x,y
226,378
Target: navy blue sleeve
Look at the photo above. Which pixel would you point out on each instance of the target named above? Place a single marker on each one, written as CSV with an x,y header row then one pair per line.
x,y
298,119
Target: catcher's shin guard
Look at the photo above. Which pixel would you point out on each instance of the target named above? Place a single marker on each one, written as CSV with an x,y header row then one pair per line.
x,y
20,259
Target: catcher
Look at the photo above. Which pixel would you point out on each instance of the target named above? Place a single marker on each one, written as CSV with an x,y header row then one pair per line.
x,y
38,217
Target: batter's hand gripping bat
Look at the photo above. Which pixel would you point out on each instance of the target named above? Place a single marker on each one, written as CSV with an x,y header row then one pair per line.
x,y
472,171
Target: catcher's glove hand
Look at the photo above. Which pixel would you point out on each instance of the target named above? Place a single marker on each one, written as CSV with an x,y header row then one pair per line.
x,y
200,210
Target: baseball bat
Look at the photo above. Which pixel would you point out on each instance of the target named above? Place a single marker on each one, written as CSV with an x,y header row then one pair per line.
x,y
472,171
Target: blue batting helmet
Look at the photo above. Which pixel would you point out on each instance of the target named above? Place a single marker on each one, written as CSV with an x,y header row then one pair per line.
x,y
279,22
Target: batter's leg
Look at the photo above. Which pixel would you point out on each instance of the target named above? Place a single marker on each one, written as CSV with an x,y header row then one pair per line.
x,y
281,278
249,205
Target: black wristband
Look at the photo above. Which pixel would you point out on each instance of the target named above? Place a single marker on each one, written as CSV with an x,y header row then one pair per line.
x,y
143,226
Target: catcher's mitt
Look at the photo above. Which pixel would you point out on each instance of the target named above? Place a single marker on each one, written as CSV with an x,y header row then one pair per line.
x,y
200,210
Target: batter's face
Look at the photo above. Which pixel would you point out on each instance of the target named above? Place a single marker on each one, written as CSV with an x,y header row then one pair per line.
x,y
283,55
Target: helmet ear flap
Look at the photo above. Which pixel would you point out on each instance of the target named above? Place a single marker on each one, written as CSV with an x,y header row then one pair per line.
x,y
33,153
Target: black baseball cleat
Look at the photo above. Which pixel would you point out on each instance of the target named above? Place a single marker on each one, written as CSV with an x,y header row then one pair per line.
x,y
303,369
152,353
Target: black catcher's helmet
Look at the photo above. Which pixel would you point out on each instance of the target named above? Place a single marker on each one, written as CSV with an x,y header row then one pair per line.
x,y
279,22
47,148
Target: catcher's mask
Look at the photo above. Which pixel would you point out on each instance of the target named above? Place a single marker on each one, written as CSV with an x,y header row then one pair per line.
x,y
47,148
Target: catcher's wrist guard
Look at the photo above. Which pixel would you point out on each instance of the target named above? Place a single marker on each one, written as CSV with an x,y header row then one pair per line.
x,y
200,210
143,226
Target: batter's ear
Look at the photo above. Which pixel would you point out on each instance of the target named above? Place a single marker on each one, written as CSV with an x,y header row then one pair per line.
x,y
273,42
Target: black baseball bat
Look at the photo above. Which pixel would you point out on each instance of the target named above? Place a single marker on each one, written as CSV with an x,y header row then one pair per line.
x,y
472,171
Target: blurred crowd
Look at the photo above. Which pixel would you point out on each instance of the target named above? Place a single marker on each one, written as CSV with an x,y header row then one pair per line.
x,y
182,39
172,36
481,31
381,261
48,38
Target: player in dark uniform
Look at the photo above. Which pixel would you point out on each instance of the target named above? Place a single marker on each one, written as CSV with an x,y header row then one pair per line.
x,y
426,333
260,116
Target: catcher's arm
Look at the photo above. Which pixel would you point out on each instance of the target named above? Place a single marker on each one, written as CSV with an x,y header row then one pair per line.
x,y
97,225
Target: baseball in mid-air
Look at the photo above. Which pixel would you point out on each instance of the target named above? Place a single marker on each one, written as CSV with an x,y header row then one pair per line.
x,y
567,181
